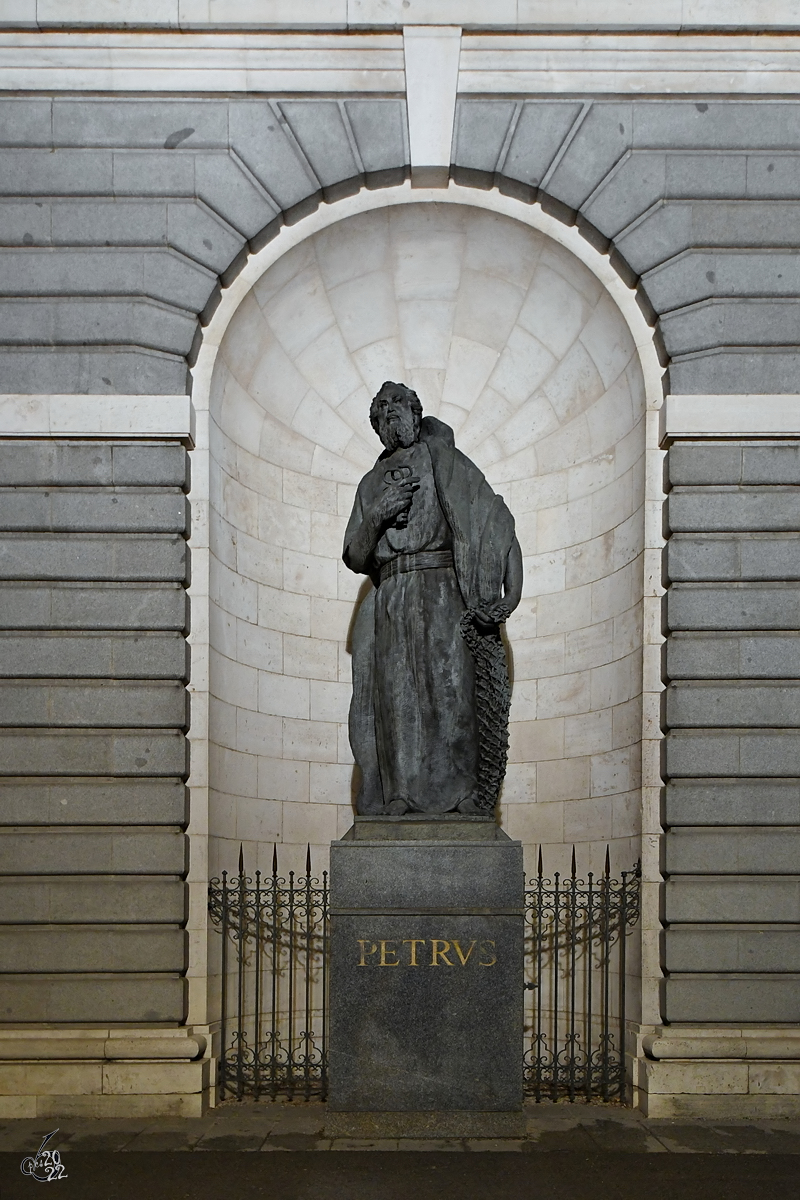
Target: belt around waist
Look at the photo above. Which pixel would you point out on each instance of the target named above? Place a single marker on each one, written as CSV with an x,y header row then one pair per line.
x,y
423,560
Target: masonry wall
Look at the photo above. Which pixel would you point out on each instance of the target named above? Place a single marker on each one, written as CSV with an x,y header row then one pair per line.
x,y
732,750
93,713
121,219
116,241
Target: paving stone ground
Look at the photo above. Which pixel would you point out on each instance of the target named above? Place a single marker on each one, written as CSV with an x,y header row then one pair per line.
x,y
570,1151
280,1125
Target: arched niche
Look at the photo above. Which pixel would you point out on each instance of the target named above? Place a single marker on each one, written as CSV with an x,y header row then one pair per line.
x,y
536,354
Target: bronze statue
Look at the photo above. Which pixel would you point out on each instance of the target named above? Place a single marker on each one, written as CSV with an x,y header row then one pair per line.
x,y
429,714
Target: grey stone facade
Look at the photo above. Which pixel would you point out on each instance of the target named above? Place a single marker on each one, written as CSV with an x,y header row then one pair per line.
x,y
121,219
93,714
732,721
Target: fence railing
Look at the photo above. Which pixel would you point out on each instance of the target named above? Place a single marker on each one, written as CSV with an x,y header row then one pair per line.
x,y
576,967
274,982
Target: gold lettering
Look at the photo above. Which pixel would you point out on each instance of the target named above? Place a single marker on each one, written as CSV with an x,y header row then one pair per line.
x,y
462,956
437,954
413,943
485,950
384,961
389,956
366,953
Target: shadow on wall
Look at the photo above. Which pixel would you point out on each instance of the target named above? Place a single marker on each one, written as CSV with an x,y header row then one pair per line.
x,y
506,336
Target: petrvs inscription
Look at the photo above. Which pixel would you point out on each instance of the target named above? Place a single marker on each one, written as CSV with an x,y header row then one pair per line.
x,y
425,952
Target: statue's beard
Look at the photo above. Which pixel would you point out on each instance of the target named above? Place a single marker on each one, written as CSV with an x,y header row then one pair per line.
x,y
399,430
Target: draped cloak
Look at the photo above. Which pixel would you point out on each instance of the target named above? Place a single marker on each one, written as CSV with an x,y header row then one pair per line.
x,y
414,731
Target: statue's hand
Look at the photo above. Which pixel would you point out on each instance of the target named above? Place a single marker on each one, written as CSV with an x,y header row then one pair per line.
x,y
488,617
396,499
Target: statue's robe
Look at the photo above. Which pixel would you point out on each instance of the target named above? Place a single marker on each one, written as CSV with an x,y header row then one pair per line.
x,y
413,724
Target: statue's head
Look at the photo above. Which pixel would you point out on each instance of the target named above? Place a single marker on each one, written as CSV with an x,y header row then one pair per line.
x,y
396,415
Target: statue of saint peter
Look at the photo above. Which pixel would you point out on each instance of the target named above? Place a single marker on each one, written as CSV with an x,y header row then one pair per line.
x,y
429,714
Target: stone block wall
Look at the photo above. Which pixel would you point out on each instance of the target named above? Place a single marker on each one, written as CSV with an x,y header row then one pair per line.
x,y
732,721
695,201
121,218
93,714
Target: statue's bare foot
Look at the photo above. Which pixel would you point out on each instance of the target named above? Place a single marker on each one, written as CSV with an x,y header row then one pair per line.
x,y
397,807
468,807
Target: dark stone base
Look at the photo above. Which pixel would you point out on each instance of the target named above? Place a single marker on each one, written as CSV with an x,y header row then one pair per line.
x,y
426,985
425,1125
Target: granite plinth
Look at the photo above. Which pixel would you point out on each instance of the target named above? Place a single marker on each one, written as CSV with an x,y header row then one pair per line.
x,y
426,970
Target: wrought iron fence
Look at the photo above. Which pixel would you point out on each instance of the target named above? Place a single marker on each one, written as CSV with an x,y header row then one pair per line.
x,y
274,994
576,964
274,982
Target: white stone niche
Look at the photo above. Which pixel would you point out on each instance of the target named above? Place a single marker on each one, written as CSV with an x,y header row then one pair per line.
x,y
510,339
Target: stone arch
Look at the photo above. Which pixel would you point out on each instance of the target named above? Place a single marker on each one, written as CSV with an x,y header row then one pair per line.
x,y
270,601
641,179
464,180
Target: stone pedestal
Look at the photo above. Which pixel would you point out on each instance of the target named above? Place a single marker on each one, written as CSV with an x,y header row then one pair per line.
x,y
426,972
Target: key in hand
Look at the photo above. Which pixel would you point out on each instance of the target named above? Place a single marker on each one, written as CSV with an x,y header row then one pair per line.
x,y
399,475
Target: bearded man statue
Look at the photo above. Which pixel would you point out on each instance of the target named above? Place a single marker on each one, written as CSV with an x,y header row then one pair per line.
x,y
429,713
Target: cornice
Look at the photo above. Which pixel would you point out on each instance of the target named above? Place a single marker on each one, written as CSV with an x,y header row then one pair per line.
x,y
315,63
